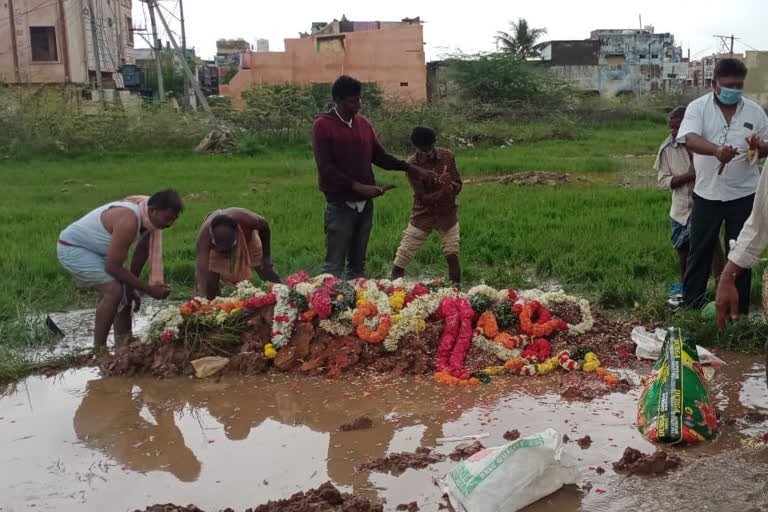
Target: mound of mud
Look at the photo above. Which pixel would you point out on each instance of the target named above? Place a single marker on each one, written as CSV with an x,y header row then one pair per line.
x,y
359,423
466,450
635,462
169,507
397,463
325,498
314,352
512,435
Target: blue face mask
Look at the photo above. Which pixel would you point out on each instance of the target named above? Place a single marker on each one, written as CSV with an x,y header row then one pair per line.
x,y
728,96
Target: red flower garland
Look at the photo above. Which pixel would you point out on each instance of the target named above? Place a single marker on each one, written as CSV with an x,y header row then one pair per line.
x,y
457,336
537,351
295,279
321,303
537,329
259,301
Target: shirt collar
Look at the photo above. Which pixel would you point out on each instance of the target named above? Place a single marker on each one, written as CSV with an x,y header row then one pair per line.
x,y
348,123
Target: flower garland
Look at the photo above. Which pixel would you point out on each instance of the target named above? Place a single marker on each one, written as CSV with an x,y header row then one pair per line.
x,y
486,325
283,317
494,295
537,351
377,335
342,326
447,378
500,351
560,297
167,319
413,315
544,326
457,336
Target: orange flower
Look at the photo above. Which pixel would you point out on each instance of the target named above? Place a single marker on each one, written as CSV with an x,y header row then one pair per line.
x,y
474,381
514,365
487,322
601,372
611,379
509,341
377,336
185,310
365,310
308,315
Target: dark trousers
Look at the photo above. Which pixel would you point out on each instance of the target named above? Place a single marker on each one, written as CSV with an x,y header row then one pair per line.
x,y
346,238
706,219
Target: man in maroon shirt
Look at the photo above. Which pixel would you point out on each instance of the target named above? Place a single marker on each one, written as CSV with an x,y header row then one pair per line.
x,y
345,146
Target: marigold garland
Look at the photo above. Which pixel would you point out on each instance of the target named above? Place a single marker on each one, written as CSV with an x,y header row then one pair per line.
x,y
447,378
487,325
364,310
377,335
537,330
269,351
591,362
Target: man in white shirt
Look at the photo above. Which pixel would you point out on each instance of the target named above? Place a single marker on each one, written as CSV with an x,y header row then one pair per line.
x,y
676,173
716,128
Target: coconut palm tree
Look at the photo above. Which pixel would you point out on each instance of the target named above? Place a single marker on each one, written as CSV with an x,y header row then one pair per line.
x,y
521,39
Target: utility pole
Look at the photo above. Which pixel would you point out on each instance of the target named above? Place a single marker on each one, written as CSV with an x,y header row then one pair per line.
x,y
14,43
158,46
184,52
96,52
726,45
184,64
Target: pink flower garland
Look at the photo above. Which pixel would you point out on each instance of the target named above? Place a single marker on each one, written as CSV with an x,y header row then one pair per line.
x,y
259,301
321,303
457,336
295,279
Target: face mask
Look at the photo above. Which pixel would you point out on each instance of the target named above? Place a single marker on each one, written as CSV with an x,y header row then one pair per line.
x,y
728,96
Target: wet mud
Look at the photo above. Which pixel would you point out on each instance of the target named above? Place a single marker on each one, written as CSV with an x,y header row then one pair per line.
x,y
634,462
511,435
359,423
80,441
466,450
326,498
397,463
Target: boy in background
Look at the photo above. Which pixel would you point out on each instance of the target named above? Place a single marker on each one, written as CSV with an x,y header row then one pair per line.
x,y
434,205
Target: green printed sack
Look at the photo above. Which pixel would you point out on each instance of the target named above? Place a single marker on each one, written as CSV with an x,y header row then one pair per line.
x,y
675,405
511,476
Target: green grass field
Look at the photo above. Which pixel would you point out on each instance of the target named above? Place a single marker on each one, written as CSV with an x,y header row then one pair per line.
x,y
596,238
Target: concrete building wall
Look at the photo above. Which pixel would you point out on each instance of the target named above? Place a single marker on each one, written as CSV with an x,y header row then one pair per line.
x,y
393,57
72,35
756,84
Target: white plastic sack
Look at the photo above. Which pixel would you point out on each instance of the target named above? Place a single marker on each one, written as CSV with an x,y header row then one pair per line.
x,y
648,346
511,476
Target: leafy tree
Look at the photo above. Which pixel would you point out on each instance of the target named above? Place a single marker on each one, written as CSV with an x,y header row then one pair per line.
x,y
521,39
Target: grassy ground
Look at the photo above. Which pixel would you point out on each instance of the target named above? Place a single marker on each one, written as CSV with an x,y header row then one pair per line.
x,y
608,242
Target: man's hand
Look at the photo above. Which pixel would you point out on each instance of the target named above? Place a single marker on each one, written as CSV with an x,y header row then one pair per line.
x,y
134,297
159,291
727,300
420,173
726,153
267,272
367,191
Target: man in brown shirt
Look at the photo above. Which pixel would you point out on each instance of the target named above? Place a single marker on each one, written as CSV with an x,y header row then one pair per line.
x,y
434,205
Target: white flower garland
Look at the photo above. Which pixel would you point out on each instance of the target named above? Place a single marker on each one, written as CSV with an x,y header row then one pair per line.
x,y
305,289
494,295
419,309
494,348
245,290
560,297
281,330
166,319
341,325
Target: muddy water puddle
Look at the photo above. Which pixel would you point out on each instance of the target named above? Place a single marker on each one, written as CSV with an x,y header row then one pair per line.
x,y
82,442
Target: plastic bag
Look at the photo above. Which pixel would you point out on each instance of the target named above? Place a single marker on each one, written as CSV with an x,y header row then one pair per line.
x,y
648,346
207,366
511,476
675,405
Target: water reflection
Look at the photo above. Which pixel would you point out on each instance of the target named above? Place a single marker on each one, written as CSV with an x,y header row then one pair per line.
x,y
109,419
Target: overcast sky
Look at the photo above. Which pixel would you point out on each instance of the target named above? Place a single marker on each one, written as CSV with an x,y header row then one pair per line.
x,y
470,26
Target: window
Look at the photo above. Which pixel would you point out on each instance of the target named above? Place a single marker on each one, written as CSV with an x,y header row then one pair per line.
x,y
43,43
403,84
129,29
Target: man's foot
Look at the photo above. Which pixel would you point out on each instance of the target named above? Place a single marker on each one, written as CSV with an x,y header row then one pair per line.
x,y
397,273
454,268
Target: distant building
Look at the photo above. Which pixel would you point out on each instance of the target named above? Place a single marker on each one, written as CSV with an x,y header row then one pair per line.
x,y
44,41
619,61
228,51
756,84
262,45
390,54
